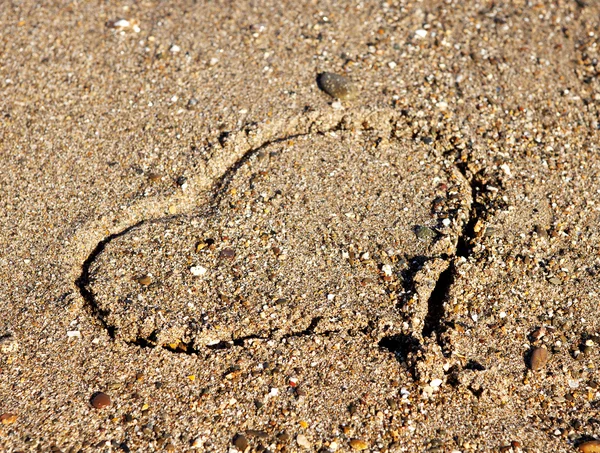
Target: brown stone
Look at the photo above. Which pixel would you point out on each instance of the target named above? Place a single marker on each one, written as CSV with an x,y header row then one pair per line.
x,y
145,280
7,419
336,86
100,400
227,253
538,358
591,446
240,442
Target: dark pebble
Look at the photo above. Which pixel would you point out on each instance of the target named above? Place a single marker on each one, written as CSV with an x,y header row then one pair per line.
x,y
336,85
425,233
240,442
538,358
283,436
100,400
227,253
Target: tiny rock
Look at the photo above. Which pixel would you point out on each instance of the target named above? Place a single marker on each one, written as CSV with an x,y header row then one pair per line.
x,y
240,442
538,358
144,280
591,446
359,444
197,271
302,441
100,400
8,419
336,86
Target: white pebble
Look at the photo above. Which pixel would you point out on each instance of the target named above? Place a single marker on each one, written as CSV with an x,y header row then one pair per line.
x,y
337,105
436,383
175,48
302,441
73,333
387,270
421,33
197,271
121,23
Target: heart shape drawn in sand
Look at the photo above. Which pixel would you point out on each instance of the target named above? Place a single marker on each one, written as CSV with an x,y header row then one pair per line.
x,y
303,235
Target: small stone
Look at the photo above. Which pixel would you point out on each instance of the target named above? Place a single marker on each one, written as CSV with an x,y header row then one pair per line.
x,y
337,86
100,400
198,271
539,333
359,444
256,433
425,233
538,358
153,177
145,280
554,280
283,436
240,442
436,383
227,253
591,446
387,270
541,231
302,441
8,419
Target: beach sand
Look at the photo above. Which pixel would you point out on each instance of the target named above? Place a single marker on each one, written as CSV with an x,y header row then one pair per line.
x,y
241,262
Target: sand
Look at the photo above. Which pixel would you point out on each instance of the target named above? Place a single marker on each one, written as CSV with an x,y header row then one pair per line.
x,y
242,262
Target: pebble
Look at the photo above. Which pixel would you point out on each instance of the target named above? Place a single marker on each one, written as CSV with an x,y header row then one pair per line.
x,y
436,383
539,333
8,419
359,444
591,446
240,442
538,358
100,400
227,253
145,280
425,233
337,86
154,177
283,436
302,441
197,271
